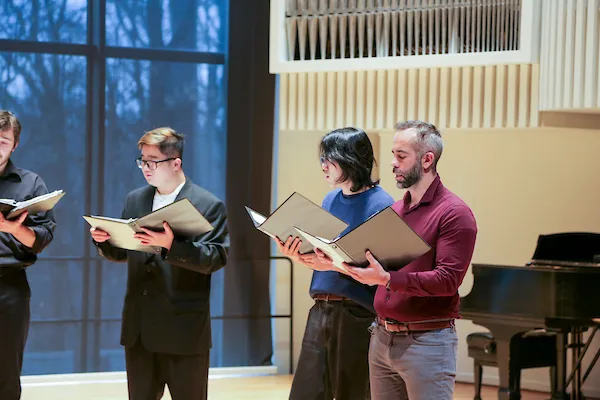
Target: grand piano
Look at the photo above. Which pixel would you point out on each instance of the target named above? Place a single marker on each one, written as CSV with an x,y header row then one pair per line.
x,y
558,290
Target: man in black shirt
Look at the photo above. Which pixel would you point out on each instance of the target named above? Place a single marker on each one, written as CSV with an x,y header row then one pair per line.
x,y
166,326
21,240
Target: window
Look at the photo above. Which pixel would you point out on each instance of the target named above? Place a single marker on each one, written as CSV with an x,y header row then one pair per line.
x,y
49,21
82,117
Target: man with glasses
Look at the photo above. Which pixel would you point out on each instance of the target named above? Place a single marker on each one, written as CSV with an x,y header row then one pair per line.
x,y
166,317
21,240
334,361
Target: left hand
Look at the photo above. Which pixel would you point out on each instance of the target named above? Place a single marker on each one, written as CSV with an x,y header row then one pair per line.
x,y
315,262
11,226
372,274
151,238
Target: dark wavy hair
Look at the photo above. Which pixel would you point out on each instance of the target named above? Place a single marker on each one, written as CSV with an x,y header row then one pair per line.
x,y
352,150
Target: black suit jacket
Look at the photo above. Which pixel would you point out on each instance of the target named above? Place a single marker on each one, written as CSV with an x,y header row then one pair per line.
x,y
167,299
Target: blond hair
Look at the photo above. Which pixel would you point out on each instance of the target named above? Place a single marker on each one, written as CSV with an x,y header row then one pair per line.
x,y
169,142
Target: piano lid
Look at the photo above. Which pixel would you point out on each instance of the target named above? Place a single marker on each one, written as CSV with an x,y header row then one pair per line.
x,y
567,249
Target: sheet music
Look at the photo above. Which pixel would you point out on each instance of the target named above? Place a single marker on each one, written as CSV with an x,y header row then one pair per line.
x,y
9,202
385,234
35,205
257,218
121,234
336,255
183,218
123,221
39,199
298,211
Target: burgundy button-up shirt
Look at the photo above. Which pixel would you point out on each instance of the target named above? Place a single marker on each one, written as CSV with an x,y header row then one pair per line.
x,y
427,288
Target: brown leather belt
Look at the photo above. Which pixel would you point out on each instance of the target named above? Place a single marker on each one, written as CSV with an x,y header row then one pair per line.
x,y
329,297
407,327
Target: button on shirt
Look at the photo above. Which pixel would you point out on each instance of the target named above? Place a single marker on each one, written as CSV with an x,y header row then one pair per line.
x,y
427,288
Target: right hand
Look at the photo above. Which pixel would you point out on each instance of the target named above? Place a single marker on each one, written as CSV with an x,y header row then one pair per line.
x,y
99,235
11,226
311,260
314,262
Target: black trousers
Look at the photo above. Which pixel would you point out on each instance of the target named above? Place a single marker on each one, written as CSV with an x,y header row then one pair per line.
x,y
14,326
148,373
334,359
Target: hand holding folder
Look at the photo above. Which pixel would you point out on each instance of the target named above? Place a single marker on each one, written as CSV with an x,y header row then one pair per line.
x,y
11,209
385,235
183,218
297,211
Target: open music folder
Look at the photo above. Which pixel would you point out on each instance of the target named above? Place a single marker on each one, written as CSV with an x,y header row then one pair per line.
x,y
183,218
11,209
298,211
391,241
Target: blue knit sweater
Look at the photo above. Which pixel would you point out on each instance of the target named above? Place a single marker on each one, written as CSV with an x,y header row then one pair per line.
x,y
353,209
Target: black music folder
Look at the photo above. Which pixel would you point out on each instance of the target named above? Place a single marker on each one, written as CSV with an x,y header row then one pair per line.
x,y
183,218
11,209
391,241
298,211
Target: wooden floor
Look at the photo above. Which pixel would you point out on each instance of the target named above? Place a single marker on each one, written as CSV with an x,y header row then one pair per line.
x,y
253,388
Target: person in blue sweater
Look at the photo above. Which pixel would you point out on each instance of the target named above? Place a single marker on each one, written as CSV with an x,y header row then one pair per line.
x,y
333,360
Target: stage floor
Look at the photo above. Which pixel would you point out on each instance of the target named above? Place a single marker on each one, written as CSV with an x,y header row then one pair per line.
x,y
252,388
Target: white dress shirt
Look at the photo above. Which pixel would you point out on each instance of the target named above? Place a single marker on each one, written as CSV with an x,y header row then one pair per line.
x,y
161,200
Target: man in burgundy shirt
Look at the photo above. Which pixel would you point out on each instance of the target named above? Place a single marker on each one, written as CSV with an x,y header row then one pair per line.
x,y
413,347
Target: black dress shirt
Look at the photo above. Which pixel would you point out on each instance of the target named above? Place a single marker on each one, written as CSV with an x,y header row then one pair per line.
x,y
19,184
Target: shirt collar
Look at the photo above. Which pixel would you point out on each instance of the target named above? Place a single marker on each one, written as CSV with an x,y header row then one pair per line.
x,y
175,192
11,172
429,193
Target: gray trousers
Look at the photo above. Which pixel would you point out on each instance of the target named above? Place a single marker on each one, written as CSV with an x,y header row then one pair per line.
x,y
415,366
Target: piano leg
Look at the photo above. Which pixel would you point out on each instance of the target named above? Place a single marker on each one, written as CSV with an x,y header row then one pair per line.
x,y
561,366
503,335
503,359
576,344
578,348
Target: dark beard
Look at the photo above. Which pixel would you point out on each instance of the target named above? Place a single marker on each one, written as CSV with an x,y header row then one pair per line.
x,y
411,177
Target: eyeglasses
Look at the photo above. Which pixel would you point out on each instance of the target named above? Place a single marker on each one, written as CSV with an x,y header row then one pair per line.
x,y
152,165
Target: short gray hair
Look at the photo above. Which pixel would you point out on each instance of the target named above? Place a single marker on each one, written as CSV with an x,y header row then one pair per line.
x,y
427,138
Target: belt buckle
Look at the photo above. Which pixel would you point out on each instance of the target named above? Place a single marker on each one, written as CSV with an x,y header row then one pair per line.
x,y
398,329
402,327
